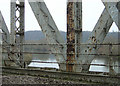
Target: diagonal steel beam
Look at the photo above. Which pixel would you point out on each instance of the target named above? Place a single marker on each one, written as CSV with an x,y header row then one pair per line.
x,y
101,29
5,38
113,11
99,33
50,30
5,33
97,36
4,29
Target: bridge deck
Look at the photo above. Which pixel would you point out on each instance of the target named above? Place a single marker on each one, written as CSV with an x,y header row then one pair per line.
x,y
65,75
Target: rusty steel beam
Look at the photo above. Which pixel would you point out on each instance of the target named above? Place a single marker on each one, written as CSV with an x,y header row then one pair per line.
x,y
74,34
70,37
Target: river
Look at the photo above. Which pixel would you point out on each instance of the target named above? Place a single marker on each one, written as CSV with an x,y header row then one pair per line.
x,y
102,60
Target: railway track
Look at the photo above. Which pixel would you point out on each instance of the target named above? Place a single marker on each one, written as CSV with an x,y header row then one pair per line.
x,y
93,78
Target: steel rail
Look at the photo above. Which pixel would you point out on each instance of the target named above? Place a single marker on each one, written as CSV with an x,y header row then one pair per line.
x,y
65,75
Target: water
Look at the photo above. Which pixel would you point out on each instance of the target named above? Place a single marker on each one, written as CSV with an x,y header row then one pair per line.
x,y
102,60
99,68
42,65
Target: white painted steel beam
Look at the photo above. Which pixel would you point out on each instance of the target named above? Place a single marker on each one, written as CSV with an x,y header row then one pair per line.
x,y
6,37
109,15
113,11
50,30
97,36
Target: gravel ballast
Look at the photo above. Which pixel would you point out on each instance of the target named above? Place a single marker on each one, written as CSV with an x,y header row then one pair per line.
x,y
25,79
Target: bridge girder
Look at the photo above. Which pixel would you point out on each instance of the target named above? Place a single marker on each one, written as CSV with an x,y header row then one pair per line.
x,y
74,35
97,37
53,35
51,31
113,11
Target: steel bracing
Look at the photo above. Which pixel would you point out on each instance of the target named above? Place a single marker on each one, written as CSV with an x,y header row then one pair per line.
x,y
97,36
17,30
71,53
50,30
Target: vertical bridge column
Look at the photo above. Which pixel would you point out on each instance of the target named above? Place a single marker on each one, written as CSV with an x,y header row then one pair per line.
x,y
70,37
74,34
17,31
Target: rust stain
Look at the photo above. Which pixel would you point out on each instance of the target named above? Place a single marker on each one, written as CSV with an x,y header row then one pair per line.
x,y
70,37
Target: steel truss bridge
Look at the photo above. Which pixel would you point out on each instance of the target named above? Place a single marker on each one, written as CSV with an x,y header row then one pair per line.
x,y
73,56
